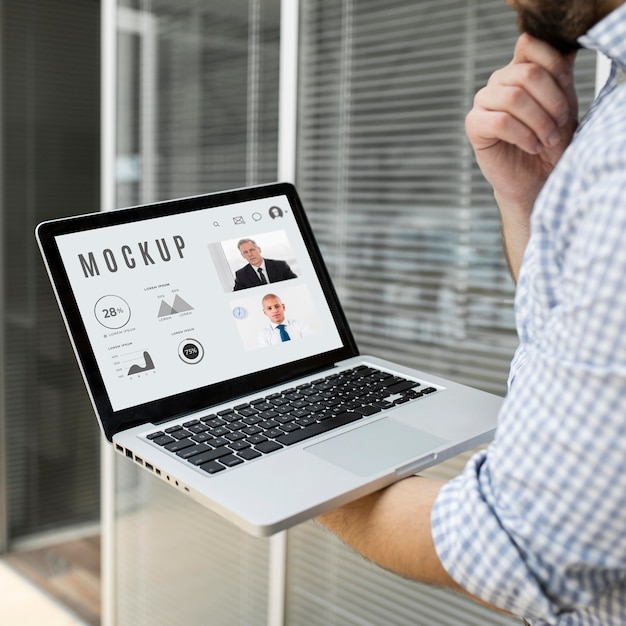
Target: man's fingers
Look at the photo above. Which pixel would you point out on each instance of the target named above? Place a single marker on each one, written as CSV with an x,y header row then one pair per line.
x,y
531,50
485,129
528,106
540,85
513,108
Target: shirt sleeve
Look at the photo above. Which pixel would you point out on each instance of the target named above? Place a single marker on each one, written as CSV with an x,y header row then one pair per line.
x,y
477,551
535,524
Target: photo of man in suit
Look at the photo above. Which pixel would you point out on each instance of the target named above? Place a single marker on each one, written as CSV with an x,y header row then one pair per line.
x,y
259,271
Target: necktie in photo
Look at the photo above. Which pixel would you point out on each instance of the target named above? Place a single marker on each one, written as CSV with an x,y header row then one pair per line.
x,y
262,276
284,335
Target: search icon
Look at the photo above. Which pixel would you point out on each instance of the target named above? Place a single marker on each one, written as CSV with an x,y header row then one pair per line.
x,y
216,224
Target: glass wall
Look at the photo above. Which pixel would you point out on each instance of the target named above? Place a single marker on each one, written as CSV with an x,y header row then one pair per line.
x,y
197,106
197,112
49,167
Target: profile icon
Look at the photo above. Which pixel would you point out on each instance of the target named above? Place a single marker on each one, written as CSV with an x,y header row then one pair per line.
x,y
275,212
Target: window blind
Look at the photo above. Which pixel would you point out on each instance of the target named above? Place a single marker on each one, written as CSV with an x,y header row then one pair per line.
x,y
411,233
403,216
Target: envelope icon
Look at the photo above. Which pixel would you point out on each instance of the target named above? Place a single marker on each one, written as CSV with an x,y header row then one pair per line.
x,y
238,220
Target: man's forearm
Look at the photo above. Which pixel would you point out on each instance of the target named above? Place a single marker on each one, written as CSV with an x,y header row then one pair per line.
x,y
392,529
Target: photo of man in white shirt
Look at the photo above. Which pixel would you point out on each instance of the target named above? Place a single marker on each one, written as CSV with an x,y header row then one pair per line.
x,y
279,329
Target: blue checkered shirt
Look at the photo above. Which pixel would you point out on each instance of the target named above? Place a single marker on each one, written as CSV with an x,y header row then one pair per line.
x,y
536,524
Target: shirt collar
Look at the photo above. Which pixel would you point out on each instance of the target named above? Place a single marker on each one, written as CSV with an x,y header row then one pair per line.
x,y
608,36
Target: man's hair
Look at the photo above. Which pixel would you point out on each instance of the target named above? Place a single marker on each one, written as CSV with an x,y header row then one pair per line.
x,y
270,295
242,241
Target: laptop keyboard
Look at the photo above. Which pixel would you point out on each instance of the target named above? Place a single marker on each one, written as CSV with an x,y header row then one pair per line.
x,y
248,431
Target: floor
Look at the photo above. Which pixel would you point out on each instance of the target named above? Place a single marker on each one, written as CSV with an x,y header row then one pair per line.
x,y
55,586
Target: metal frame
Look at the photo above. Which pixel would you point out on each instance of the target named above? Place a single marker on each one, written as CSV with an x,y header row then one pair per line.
x,y
4,521
108,86
287,135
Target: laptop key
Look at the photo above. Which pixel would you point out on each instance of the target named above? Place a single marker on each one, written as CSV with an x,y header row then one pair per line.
x,y
272,433
180,444
247,412
268,446
213,422
368,410
218,442
239,445
318,428
249,454
401,386
402,400
187,453
305,421
236,436
210,455
290,427
198,428
163,439
231,460
200,437
255,440
180,434
219,431
212,467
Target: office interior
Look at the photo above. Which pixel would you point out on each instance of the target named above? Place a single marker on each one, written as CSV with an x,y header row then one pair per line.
x,y
111,103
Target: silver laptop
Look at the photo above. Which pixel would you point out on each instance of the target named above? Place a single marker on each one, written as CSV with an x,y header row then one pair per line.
x,y
244,390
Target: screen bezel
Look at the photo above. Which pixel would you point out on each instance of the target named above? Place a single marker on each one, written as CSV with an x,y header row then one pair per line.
x,y
198,399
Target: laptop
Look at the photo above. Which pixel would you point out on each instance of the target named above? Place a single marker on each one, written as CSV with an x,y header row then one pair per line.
x,y
192,378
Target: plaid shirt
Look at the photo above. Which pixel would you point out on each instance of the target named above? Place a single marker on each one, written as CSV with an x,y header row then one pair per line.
x,y
536,524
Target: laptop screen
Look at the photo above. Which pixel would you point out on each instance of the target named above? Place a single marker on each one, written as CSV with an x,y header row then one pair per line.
x,y
178,305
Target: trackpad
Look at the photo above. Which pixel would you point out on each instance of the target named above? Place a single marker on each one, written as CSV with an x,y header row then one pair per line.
x,y
375,447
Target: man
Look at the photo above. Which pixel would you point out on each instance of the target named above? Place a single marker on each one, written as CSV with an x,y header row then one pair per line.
x,y
536,524
259,271
279,329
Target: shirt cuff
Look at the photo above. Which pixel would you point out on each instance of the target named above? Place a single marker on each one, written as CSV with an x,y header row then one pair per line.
x,y
476,551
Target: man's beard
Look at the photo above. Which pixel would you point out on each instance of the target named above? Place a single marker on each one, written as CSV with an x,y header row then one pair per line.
x,y
547,27
558,23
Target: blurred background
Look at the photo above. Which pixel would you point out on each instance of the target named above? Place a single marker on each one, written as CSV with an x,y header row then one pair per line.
x,y
403,218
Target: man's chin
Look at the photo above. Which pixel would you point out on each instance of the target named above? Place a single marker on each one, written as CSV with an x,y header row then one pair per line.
x,y
528,23
562,45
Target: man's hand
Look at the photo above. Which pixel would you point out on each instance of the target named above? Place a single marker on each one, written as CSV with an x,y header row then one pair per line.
x,y
519,127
